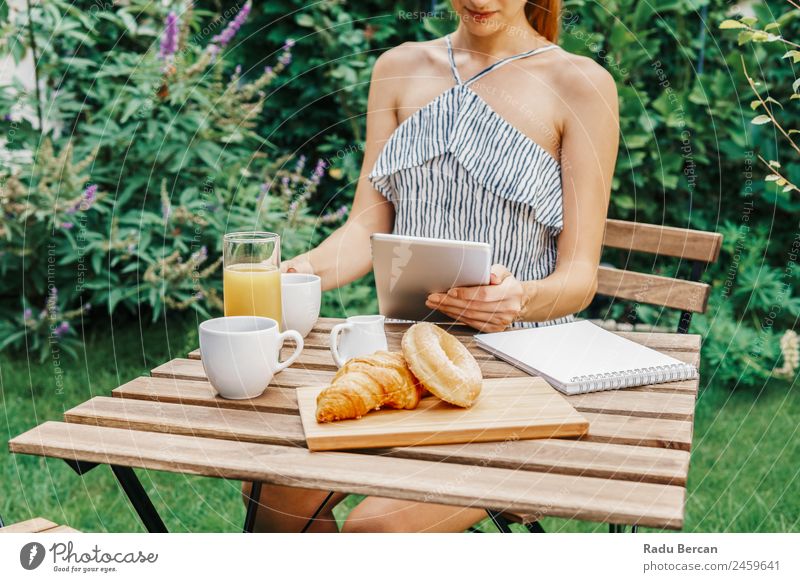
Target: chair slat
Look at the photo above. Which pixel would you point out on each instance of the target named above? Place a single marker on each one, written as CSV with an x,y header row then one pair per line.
x,y
569,496
663,240
653,289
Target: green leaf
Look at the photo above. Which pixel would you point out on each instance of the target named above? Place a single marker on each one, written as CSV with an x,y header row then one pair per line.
x,y
761,120
305,20
731,24
132,107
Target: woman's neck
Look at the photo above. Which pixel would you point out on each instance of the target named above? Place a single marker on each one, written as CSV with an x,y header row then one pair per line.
x,y
508,40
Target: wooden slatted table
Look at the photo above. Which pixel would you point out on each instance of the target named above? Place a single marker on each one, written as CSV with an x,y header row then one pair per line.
x,y
630,469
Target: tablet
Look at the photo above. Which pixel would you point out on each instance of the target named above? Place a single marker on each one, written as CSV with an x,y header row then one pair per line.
x,y
408,269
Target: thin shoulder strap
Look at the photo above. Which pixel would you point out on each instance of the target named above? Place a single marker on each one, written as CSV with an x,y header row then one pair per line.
x,y
452,60
507,60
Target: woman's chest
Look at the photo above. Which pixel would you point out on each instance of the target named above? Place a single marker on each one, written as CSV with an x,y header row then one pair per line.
x,y
525,106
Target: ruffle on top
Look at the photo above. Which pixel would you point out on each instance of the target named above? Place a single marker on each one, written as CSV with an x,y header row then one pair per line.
x,y
500,157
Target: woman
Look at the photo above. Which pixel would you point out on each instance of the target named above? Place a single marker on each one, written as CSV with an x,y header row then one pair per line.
x,y
495,134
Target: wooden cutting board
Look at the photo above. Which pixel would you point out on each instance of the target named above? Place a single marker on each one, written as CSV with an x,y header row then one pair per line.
x,y
507,409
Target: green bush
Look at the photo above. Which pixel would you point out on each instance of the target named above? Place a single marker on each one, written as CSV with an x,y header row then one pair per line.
x,y
159,156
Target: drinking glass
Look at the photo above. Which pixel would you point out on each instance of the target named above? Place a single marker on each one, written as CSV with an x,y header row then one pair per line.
x,y
251,280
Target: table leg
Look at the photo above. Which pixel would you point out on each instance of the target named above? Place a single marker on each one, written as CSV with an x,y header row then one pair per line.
x,y
499,521
317,512
252,507
132,488
139,499
80,467
534,527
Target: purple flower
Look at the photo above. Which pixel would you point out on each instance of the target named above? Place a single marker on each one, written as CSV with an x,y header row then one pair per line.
x,y
87,306
27,314
301,163
267,70
61,329
288,44
169,41
201,255
67,225
263,191
285,59
222,39
334,216
319,171
90,193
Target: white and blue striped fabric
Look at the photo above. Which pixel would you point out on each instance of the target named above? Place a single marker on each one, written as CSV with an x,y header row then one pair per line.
x,y
456,169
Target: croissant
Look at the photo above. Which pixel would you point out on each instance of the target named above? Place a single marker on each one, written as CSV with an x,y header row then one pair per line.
x,y
368,383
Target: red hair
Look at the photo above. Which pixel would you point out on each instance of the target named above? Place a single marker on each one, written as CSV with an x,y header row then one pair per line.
x,y
545,17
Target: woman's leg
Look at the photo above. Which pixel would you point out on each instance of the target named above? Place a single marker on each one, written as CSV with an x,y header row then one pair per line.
x,y
288,509
379,514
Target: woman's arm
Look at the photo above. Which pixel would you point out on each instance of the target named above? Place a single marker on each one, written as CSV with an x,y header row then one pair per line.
x,y
589,141
345,255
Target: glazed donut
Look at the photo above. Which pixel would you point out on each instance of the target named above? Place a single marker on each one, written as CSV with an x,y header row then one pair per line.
x,y
442,364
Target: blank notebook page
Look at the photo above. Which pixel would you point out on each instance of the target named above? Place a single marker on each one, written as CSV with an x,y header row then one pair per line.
x,y
583,357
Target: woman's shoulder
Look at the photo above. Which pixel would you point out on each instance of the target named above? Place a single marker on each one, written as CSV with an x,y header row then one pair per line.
x,y
411,59
580,77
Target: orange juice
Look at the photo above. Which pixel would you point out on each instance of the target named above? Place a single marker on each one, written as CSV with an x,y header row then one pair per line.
x,y
252,289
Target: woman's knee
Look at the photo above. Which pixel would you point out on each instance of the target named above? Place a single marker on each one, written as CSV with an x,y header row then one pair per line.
x,y
372,516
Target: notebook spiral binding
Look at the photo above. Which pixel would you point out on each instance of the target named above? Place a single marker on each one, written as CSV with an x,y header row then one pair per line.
x,y
634,377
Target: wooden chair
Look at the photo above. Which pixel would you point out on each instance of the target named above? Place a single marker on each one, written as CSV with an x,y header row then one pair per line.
x,y
35,525
697,247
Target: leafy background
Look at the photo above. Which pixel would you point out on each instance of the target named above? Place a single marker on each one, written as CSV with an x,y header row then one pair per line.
x,y
114,207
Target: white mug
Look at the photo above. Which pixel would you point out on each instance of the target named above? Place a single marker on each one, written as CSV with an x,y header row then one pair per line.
x,y
240,354
361,335
301,295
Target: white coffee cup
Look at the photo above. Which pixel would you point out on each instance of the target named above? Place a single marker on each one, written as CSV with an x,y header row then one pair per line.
x,y
361,335
240,354
301,295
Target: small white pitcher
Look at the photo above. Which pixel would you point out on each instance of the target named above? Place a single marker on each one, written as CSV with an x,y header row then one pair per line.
x,y
361,335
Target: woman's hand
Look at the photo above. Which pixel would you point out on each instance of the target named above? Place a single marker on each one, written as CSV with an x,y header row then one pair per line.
x,y
487,308
299,264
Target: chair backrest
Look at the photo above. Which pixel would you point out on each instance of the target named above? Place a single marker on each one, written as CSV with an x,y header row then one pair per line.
x,y
696,246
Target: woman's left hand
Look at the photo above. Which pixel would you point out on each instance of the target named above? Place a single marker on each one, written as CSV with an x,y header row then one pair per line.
x,y
487,308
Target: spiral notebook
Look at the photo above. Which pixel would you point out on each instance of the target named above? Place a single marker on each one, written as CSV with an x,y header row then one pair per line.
x,y
582,357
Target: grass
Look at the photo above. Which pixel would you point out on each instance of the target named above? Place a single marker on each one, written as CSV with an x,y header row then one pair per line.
x,y
744,462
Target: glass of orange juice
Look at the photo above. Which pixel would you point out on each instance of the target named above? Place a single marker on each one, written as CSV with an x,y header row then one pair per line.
x,y
251,279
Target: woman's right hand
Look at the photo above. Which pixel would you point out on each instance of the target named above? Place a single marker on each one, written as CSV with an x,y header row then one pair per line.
x,y
299,264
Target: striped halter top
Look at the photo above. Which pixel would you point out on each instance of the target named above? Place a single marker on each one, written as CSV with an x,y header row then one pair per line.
x,y
458,170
